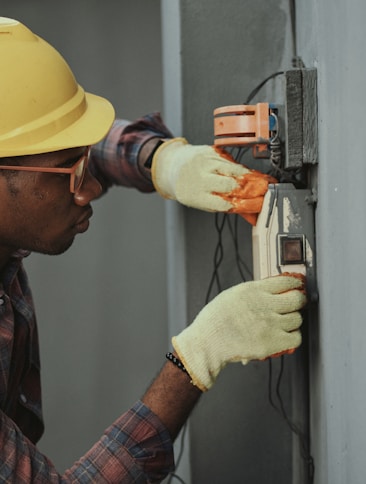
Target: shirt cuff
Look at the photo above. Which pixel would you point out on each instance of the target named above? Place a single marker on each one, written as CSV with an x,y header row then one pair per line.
x,y
135,448
115,159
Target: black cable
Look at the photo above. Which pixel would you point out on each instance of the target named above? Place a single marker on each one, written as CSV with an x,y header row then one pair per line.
x,y
296,60
261,85
304,446
240,263
218,255
292,8
175,476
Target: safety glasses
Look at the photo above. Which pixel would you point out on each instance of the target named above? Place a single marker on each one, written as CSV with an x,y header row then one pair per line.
x,y
76,172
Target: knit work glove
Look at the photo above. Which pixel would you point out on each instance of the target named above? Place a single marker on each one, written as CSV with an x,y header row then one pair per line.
x,y
250,321
208,178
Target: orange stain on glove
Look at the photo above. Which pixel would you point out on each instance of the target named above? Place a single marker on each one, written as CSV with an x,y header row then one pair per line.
x,y
247,198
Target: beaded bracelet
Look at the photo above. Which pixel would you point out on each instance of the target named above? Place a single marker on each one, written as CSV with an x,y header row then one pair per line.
x,y
176,361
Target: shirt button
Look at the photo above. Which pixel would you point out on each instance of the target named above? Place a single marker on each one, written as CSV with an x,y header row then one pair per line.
x,y
23,398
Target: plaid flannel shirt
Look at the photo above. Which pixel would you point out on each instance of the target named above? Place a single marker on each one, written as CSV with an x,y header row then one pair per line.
x,y
136,448
114,160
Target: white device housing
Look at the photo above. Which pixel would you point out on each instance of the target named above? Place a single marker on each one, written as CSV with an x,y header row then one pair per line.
x,y
283,238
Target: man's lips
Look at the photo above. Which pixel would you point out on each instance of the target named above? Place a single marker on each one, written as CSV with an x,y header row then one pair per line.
x,y
83,223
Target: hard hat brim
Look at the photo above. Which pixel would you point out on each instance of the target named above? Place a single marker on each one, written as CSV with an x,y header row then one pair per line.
x,y
89,128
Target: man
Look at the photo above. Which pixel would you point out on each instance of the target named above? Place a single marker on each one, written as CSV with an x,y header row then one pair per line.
x,y
50,129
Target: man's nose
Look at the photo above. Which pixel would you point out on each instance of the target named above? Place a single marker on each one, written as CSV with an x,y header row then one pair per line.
x,y
89,190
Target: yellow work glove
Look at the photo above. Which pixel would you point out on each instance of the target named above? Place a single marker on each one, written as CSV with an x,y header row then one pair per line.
x,y
250,321
208,178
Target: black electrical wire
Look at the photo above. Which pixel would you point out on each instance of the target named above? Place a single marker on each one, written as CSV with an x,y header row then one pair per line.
x,y
240,263
218,255
296,60
261,85
175,476
304,446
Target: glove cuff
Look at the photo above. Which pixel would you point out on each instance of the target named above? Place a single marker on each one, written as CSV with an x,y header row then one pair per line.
x,y
193,360
165,164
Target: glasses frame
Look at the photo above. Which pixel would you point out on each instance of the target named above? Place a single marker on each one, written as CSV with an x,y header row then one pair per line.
x,y
71,171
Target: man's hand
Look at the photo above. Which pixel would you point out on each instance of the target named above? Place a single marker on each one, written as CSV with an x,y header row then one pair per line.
x,y
250,321
208,178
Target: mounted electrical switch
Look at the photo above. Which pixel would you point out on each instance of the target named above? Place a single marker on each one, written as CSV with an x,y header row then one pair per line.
x,y
246,125
283,239
284,131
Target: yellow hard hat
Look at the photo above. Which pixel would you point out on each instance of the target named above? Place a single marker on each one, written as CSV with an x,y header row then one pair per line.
x,y
42,107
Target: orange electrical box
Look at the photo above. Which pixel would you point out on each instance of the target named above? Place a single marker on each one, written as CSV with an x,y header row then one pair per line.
x,y
243,125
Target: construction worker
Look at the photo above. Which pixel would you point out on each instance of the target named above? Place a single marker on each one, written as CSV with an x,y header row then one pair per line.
x,y
60,148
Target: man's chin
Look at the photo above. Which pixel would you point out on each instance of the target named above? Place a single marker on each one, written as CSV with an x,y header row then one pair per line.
x,y
53,249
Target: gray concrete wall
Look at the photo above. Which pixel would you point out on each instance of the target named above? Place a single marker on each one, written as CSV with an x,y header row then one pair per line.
x,y
331,37
102,305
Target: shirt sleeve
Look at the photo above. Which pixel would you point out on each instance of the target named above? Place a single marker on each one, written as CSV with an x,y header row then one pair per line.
x,y
114,160
135,449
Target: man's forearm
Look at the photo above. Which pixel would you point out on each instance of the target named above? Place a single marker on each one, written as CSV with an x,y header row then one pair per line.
x,y
172,397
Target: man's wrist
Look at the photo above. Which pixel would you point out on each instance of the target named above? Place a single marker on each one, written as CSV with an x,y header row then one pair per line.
x,y
172,397
146,156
